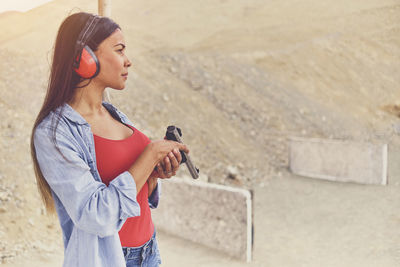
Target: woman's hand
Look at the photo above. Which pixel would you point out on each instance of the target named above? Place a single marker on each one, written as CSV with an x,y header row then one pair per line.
x,y
165,168
168,166
155,152
161,150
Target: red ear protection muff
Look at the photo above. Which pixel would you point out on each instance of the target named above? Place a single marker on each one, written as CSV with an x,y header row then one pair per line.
x,y
86,64
89,65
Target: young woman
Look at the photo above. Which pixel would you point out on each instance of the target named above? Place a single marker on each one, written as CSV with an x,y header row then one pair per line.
x,y
98,172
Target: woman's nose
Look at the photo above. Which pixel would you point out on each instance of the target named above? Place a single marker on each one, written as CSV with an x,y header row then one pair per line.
x,y
128,63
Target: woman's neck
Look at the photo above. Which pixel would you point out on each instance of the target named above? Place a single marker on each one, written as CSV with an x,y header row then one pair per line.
x,y
88,100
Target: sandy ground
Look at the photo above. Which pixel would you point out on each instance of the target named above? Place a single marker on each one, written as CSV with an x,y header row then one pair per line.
x,y
298,222
240,77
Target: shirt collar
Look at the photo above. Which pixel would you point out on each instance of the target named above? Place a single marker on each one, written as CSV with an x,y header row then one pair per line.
x,y
71,114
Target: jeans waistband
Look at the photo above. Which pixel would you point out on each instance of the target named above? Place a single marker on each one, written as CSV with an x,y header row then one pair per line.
x,y
128,250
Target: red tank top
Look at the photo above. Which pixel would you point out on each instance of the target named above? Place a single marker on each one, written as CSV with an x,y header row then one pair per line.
x,y
114,157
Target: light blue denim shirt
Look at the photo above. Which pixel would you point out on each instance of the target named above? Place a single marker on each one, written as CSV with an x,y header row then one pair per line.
x,y
90,213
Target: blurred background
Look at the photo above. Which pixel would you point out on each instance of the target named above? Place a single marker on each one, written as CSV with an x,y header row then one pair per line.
x,y
240,77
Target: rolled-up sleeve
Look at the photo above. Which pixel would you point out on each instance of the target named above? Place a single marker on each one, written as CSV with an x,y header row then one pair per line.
x,y
92,206
154,198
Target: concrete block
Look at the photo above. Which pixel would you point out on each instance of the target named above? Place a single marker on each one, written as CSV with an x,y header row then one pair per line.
x,y
394,161
216,216
341,161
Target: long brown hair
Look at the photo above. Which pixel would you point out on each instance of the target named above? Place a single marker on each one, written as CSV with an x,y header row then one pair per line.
x,y
63,82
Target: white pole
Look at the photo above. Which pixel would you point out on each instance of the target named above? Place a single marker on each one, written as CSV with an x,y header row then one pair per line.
x,y
105,11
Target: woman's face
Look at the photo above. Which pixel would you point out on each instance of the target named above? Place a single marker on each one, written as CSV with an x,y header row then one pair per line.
x,y
114,63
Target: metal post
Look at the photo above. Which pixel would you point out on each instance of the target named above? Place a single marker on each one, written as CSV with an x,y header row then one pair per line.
x,y
105,8
105,11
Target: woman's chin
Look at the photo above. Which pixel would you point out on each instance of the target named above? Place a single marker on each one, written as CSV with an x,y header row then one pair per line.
x,y
119,87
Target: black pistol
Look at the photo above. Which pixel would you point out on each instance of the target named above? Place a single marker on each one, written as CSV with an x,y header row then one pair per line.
x,y
174,134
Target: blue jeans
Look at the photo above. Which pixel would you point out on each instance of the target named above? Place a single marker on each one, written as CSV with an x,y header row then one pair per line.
x,y
143,256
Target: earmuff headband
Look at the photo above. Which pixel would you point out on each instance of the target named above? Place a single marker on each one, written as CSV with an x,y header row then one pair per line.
x,y
84,35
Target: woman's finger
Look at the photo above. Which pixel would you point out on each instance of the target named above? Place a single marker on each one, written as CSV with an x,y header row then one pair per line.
x,y
168,167
160,171
179,146
177,154
174,161
183,147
